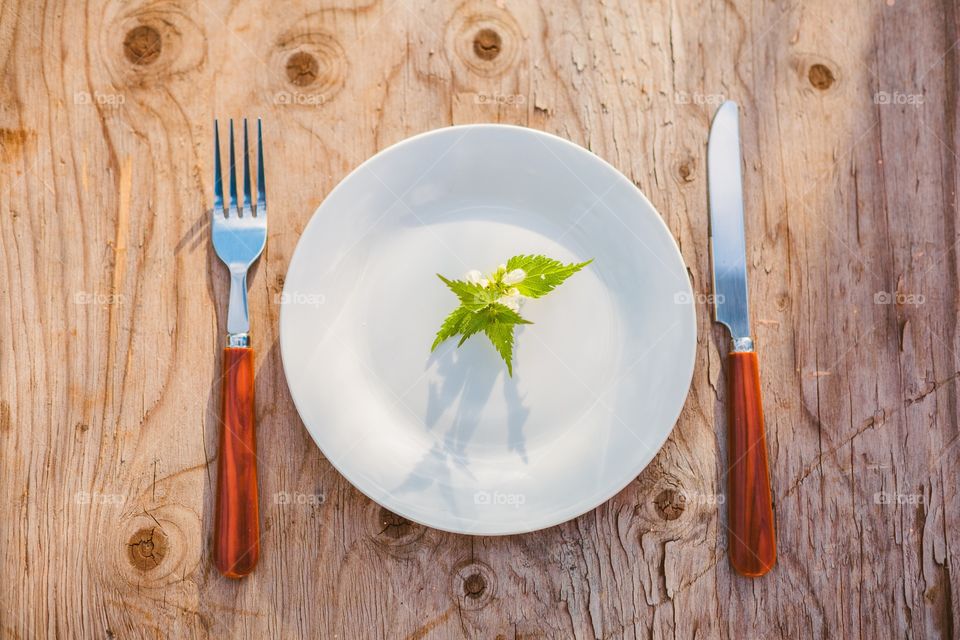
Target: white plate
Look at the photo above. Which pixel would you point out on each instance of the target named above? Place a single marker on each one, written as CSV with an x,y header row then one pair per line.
x,y
449,440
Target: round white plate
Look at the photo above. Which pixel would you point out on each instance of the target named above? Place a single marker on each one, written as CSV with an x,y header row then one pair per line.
x,y
448,439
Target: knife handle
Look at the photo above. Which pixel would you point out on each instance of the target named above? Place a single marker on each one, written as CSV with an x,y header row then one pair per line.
x,y
753,544
236,526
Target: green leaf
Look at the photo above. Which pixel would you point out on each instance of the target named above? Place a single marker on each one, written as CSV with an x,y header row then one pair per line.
x,y
501,335
475,323
472,296
450,326
503,314
495,313
543,274
499,330
480,310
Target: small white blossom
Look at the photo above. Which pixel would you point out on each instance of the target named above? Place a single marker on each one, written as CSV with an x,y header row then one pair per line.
x,y
515,277
475,277
511,300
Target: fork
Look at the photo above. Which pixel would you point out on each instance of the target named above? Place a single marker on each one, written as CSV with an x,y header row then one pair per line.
x,y
239,235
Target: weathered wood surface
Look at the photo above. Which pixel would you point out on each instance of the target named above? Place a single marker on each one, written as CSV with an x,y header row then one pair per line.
x,y
113,303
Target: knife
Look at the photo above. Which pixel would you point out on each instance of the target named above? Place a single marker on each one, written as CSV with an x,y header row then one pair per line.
x,y
753,545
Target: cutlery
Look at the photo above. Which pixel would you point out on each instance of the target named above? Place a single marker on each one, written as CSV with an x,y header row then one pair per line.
x,y
753,546
239,235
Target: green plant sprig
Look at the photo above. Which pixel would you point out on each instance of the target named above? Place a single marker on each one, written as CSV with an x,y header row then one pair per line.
x,y
491,304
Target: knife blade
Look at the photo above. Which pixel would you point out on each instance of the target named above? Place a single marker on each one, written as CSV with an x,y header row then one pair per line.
x,y
752,540
725,185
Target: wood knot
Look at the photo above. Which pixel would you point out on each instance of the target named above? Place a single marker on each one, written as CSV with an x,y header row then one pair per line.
x,y
687,170
394,526
314,64
395,534
147,548
782,301
156,548
159,42
486,39
142,45
473,584
670,503
486,44
302,69
821,76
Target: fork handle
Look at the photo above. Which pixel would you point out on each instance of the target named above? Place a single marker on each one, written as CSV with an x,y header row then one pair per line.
x,y
237,527
753,543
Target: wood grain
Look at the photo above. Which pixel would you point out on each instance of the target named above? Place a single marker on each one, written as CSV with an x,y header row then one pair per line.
x,y
113,310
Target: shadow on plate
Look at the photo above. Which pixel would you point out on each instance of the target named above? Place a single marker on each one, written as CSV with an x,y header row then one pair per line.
x,y
465,386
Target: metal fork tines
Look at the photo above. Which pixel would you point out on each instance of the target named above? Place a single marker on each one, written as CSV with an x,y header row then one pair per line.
x,y
239,232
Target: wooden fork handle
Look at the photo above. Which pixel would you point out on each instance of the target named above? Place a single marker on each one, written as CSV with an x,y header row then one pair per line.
x,y
237,528
753,544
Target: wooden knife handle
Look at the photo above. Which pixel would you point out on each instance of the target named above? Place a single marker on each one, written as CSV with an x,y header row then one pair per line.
x,y
236,527
753,544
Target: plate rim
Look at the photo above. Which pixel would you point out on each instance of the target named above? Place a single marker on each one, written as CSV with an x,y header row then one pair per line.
x,y
568,513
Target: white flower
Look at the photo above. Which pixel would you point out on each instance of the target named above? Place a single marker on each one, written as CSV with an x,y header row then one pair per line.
x,y
511,300
475,277
515,277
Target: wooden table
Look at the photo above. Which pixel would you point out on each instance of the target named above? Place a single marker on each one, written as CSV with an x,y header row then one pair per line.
x,y
113,313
